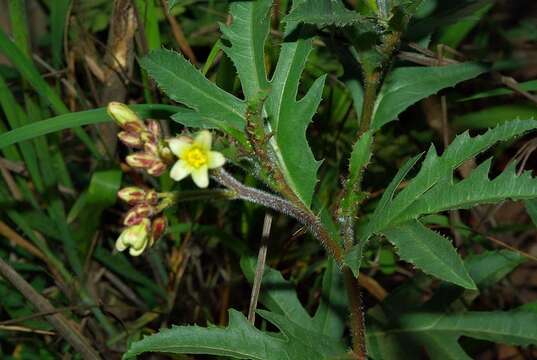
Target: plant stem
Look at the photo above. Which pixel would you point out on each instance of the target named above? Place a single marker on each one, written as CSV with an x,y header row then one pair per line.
x,y
303,215
347,210
356,314
371,83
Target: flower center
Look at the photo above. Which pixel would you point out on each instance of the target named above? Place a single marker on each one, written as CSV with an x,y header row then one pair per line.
x,y
196,157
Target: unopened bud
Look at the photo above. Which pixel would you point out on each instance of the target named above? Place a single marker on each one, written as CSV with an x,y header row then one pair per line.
x,y
158,228
151,148
158,168
151,197
134,237
165,153
123,115
130,139
132,195
154,128
138,213
141,160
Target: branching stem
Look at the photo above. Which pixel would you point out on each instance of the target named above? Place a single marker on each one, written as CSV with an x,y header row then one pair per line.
x,y
271,201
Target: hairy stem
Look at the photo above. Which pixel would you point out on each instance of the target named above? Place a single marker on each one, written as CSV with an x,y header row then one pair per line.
x,y
354,297
347,209
304,216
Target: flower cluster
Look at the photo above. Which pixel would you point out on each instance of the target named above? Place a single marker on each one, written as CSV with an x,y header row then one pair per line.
x,y
144,223
154,156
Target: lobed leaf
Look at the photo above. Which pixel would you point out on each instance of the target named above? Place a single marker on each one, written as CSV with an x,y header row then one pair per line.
x,y
439,168
247,35
476,189
290,118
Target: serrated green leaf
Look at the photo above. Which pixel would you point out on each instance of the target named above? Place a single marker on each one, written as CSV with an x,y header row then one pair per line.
x,y
430,252
408,85
247,35
476,189
241,340
389,192
353,258
289,118
440,168
325,13
440,332
182,82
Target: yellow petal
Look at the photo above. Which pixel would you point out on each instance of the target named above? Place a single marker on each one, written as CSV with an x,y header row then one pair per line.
x,y
216,159
201,177
178,145
204,139
180,170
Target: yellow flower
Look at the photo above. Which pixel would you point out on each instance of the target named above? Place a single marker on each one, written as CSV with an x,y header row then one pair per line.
x,y
195,158
135,238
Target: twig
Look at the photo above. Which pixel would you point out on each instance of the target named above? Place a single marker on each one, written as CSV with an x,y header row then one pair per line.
x,y
514,85
178,34
62,325
260,268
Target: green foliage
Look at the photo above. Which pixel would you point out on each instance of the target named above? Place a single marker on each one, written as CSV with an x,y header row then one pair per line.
x,y
408,85
474,190
241,340
300,337
262,77
185,84
71,120
428,251
324,13
436,170
247,35
439,332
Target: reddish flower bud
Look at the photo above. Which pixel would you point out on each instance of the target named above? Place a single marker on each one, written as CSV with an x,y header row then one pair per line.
x,y
157,169
158,228
135,128
130,139
151,148
138,213
132,195
154,128
141,160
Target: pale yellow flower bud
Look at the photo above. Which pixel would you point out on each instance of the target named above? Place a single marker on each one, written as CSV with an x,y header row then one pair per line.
x,y
124,116
135,238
